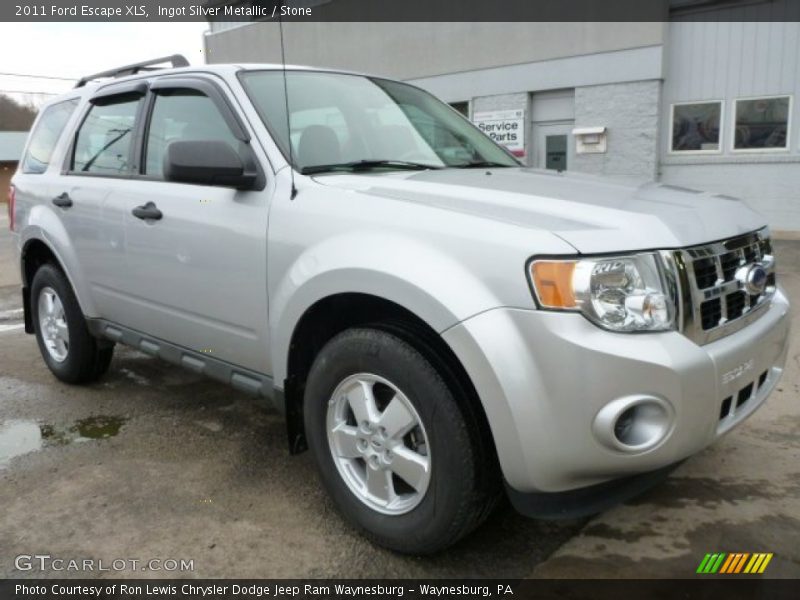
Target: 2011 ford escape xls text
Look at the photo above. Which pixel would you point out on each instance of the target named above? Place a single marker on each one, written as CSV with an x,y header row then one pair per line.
x,y
439,324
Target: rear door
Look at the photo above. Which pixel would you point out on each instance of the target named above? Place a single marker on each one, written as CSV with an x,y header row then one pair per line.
x,y
98,169
196,276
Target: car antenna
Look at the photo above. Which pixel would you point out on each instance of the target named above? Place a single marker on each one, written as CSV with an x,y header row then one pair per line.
x,y
286,101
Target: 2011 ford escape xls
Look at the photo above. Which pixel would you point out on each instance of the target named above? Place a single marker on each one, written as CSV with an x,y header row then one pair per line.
x,y
438,323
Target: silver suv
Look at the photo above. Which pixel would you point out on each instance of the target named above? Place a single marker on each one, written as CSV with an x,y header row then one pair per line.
x,y
439,324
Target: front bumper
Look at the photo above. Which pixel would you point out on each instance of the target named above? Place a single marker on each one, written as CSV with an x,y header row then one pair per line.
x,y
544,376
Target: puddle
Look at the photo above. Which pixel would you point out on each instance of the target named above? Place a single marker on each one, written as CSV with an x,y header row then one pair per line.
x,y
95,428
17,438
21,437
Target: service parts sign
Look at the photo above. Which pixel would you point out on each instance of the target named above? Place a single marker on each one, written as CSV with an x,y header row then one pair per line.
x,y
506,127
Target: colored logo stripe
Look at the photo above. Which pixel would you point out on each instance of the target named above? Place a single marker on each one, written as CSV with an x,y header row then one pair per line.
x,y
758,563
735,562
711,563
727,564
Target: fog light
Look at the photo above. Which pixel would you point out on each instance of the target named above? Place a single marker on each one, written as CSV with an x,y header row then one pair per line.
x,y
624,425
634,423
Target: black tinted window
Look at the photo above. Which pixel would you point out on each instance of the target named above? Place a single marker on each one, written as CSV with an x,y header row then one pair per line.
x,y
182,115
104,139
45,136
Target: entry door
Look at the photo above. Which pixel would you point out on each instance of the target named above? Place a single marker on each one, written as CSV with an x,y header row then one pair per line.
x,y
553,145
197,277
98,170
197,273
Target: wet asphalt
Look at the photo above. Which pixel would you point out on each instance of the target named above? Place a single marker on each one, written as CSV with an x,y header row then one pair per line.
x,y
157,462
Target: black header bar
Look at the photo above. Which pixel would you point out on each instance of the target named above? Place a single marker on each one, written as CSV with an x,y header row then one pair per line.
x,y
398,10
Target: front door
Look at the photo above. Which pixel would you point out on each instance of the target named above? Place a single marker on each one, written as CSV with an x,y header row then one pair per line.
x,y
196,276
553,145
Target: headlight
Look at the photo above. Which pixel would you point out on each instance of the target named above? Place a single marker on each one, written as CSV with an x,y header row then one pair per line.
x,y
621,293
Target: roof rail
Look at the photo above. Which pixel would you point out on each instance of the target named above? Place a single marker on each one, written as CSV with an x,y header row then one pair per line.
x,y
176,60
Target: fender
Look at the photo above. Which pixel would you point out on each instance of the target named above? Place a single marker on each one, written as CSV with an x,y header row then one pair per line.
x,y
45,226
441,294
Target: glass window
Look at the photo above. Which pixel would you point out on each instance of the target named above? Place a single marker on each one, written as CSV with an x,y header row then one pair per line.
x,y
696,127
338,119
329,116
762,124
45,136
104,139
462,107
185,115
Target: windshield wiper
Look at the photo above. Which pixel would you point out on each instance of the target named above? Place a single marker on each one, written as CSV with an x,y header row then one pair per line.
x,y
359,165
480,164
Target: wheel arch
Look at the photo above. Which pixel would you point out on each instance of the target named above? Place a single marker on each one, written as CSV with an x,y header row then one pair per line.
x,y
333,314
36,252
45,234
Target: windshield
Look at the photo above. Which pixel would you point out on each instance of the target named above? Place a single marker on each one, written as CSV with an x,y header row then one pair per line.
x,y
341,121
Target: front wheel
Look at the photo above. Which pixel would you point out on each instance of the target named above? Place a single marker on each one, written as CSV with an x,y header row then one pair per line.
x,y
392,443
67,347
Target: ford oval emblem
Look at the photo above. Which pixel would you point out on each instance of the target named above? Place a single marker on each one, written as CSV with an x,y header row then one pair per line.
x,y
754,279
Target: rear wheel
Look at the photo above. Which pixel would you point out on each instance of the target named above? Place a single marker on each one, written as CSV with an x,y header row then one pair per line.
x,y
393,445
66,345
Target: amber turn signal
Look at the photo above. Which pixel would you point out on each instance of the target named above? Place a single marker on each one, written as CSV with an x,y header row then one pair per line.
x,y
552,282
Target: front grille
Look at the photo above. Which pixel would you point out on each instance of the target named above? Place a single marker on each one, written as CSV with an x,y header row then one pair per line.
x,y
743,396
736,304
711,313
715,303
705,272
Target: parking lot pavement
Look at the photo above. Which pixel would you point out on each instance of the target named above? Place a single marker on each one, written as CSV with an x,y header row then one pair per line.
x,y
157,462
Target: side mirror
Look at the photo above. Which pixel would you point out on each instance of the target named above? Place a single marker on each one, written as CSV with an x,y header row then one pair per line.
x,y
207,162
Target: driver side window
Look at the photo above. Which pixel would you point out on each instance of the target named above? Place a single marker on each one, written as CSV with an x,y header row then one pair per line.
x,y
182,115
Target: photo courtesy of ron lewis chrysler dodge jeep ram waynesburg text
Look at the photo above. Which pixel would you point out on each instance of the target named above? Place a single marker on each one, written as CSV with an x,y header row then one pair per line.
x,y
439,325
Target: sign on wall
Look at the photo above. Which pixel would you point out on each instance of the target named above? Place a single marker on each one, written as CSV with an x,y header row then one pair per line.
x,y
506,127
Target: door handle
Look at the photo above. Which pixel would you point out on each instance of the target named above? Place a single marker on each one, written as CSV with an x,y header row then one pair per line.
x,y
147,211
63,200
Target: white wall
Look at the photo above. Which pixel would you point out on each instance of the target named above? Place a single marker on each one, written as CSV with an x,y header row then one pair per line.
x,y
729,60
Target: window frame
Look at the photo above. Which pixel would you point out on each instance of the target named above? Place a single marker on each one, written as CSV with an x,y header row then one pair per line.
x,y
114,94
230,115
196,84
720,143
785,148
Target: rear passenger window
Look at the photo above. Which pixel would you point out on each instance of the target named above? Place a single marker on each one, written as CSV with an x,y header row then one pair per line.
x,y
104,139
183,115
45,136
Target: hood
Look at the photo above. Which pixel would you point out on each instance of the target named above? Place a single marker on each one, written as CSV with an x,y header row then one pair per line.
x,y
591,213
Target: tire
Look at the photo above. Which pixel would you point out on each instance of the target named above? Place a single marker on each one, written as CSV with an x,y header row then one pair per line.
x,y
441,495
67,347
